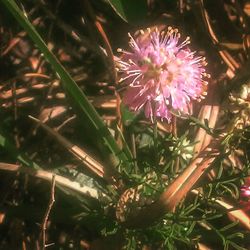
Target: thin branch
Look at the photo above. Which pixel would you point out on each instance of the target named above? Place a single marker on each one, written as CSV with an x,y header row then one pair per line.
x,y
46,216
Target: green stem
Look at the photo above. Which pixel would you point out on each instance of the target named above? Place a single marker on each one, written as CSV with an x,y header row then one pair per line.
x,y
155,135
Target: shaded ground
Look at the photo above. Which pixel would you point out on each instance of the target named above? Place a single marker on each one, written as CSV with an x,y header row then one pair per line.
x,y
28,86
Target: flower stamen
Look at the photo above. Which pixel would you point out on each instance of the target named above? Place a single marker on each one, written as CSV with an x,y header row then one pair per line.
x,y
161,74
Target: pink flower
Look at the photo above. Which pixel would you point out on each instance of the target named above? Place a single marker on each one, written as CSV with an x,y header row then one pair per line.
x,y
161,74
245,195
245,191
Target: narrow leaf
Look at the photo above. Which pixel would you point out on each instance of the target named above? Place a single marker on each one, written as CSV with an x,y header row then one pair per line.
x,y
130,10
74,92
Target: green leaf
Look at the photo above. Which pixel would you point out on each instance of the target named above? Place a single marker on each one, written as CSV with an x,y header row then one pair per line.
x,y
127,116
79,100
146,141
130,10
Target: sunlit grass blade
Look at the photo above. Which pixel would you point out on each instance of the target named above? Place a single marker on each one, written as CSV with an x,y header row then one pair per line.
x,y
78,98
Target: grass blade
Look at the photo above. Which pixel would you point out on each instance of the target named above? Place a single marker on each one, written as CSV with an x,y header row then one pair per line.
x,y
74,92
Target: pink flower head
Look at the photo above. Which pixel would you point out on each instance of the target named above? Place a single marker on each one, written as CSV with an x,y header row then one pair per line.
x,y
245,196
245,191
161,74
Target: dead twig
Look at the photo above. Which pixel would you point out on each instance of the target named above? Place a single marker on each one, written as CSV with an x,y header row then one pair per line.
x,y
46,216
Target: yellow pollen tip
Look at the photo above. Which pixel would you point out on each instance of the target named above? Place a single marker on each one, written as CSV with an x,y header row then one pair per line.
x,y
203,62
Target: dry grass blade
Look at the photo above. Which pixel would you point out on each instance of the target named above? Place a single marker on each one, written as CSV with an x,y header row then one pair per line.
x,y
203,247
45,175
227,58
90,162
210,113
235,214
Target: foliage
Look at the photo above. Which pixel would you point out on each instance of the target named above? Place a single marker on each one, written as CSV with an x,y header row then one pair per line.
x,y
122,181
